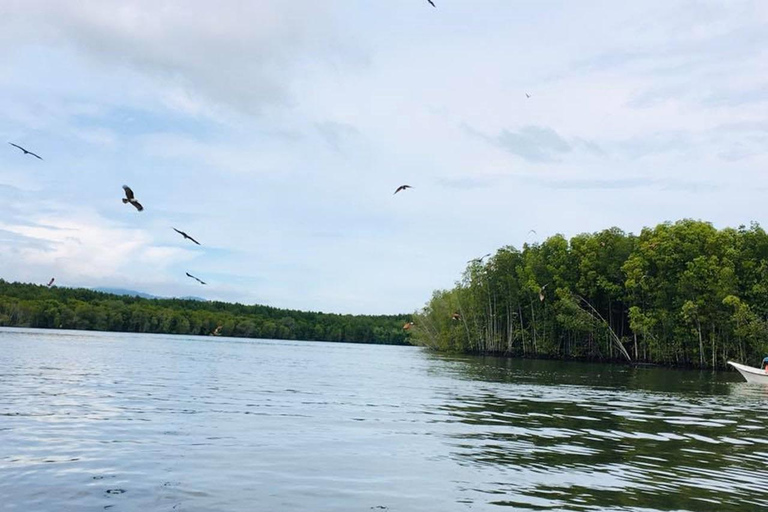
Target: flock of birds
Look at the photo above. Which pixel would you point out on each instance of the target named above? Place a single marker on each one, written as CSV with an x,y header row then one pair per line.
x,y
130,198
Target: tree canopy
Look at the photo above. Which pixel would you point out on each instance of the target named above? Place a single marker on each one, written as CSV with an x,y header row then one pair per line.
x,y
680,293
28,305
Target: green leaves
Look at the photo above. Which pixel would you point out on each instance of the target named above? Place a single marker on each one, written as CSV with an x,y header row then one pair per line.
x,y
71,308
679,293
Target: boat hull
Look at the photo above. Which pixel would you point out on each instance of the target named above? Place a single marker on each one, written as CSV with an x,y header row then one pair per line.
x,y
750,373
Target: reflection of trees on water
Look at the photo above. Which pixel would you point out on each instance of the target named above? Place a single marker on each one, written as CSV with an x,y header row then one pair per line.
x,y
540,442
550,372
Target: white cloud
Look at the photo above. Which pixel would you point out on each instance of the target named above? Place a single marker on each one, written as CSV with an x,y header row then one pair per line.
x,y
236,53
276,132
80,246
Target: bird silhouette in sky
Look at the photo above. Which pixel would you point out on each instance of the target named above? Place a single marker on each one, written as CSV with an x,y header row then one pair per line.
x,y
401,188
431,3
26,152
527,95
50,283
195,278
532,231
129,198
480,259
186,236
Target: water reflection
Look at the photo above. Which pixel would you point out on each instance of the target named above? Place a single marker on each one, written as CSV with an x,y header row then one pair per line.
x,y
116,422
578,436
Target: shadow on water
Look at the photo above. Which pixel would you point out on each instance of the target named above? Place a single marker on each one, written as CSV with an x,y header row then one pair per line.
x,y
577,436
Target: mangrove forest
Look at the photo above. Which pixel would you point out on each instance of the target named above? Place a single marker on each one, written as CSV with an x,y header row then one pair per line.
x,y
29,305
682,293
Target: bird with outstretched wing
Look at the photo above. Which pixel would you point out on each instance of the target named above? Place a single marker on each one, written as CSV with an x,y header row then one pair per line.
x,y
26,152
130,198
480,259
186,236
401,188
195,278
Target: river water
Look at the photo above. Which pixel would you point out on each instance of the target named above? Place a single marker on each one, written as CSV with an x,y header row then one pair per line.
x,y
126,422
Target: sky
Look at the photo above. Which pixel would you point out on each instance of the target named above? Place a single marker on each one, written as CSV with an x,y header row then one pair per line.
x,y
275,133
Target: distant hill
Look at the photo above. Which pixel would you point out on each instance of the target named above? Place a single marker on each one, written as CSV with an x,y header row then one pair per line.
x,y
134,293
123,291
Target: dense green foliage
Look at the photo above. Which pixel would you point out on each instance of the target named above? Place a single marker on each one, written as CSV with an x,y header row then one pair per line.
x,y
683,293
27,305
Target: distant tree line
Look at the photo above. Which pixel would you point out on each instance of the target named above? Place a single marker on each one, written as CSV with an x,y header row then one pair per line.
x,y
681,293
28,305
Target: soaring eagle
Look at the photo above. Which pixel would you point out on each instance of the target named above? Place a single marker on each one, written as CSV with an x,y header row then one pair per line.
x,y
25,151
480,259
195,278
129,198
186,236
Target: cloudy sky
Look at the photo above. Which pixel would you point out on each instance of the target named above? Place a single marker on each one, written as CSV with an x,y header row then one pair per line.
x,y
275,133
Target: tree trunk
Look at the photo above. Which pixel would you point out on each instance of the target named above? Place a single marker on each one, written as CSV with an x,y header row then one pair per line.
x,y
701,344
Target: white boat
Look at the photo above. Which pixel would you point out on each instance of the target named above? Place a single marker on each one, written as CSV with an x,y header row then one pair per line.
x,y
750,373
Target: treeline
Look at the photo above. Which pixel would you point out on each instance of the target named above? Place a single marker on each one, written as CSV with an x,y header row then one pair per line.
x,y
683,293
27,305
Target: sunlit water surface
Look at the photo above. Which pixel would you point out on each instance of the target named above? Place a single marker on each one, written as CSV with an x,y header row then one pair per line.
x,y
123,422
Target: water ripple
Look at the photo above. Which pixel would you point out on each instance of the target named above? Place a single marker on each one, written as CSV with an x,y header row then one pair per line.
x,y
93,421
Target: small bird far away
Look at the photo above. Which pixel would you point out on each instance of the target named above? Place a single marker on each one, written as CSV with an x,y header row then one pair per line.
x,y
456,316
527,95
431,3
401,188
50,283
217,331
480,259
541,292
532,231
186,236
195,278
408,325
25,151
129,198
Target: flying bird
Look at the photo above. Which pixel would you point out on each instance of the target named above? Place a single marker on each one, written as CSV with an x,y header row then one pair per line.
x,y
129,198
186,236
431,3
401,188
195,278
408,326
480,259
25,151
541,292
455,316
532,231
527,95
216,331
50,283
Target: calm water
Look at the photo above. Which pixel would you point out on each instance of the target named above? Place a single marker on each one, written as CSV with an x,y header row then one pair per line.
x,y
123,422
